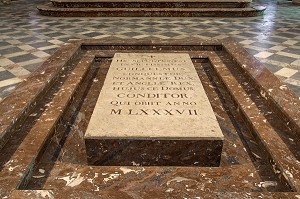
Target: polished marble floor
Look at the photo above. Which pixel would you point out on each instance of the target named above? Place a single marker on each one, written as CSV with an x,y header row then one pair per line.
x,y
27,38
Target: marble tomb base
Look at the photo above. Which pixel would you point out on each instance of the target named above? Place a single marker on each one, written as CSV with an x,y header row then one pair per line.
x,y
44,121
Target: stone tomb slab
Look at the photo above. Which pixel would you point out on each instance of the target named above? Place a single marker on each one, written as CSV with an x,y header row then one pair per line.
x,y
153,110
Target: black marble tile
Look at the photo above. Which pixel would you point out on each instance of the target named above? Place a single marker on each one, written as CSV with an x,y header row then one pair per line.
x,y
41,44
32,67
4,75
50,51
5,90
295,30
292,50
151,30
296,76
295,88
29,39
207,34
131,34
23,58
252,51
276,39
3,30
3,43
247,34
281,58
56,34
64,27
262,44
93,34
10,50
271,67
170,34
288,35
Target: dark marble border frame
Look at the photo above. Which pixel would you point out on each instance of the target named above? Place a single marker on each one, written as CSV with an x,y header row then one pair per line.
x,y
17,106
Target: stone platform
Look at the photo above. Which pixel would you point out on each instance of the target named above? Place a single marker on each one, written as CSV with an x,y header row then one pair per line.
x,y
153,111
155,8
44,120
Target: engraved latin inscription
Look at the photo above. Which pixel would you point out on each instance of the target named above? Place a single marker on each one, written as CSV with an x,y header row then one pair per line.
x,y
156,80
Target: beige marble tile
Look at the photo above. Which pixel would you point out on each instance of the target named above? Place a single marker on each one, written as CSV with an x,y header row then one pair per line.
x,y
14,41
55,41
11,81
290,42
286,72
5,62
246,42
48,47
288,55
16,54
255,48
40,54
19,71
33,61
101,36
26,47
278,48
263,54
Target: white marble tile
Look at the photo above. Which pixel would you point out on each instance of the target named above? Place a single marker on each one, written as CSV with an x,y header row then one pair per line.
x,y
40,54
26,47
277,48
290,42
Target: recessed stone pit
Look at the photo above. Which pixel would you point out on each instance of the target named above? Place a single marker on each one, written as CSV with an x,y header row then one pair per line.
x,y
43,148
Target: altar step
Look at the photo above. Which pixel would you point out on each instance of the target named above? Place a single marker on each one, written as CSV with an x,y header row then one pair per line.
x,y
152,8
151,3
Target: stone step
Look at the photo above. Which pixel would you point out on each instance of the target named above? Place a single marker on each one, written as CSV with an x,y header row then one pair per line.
x,y
49,10
151,4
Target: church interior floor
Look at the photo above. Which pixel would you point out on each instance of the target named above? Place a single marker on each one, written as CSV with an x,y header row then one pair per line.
x,y
27,38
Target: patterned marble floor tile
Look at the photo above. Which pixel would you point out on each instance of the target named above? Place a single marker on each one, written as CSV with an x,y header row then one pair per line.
x,y
27,38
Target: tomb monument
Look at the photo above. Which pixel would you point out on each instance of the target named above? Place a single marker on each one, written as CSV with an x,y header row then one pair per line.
x,y
156,101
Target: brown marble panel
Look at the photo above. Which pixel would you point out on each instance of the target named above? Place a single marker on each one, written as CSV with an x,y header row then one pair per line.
x,y
23,156
15,107
154,152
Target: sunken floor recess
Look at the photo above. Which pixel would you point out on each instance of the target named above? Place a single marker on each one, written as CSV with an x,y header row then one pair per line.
x,y
44,151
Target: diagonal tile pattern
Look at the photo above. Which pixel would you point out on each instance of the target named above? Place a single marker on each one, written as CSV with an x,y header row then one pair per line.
x,y
27,38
